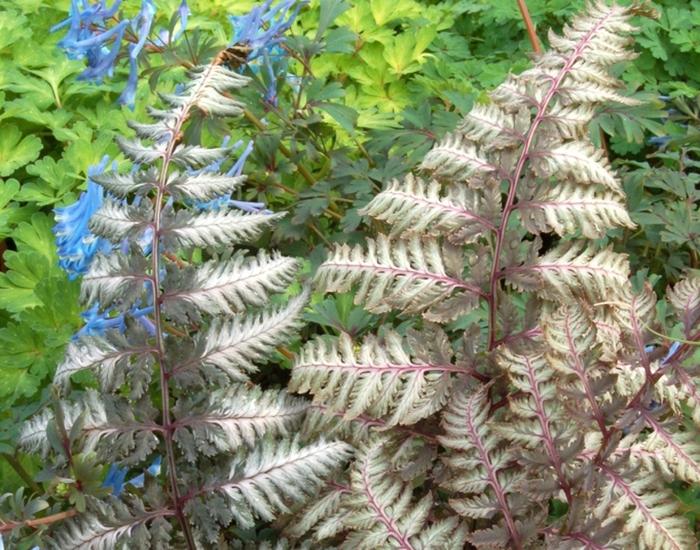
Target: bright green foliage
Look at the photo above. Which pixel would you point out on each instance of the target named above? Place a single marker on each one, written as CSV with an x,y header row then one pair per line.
x,y
385,81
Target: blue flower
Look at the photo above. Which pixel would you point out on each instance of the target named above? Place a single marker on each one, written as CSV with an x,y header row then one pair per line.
x,y
88,37
91,37
262,28
115,479
141,27
671,351
97,322
76,244
235,170
116,476
659,141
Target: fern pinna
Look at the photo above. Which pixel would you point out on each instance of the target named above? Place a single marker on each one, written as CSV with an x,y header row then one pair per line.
x,y
176,382
528,377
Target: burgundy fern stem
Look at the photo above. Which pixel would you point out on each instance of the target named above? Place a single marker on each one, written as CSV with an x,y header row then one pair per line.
x,y
547,438
492,476
618,481
513,181
388,522
165,374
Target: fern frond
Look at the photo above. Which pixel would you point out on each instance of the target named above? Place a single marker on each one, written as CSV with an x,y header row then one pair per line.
x,y
540,424
263,482
104,424
139,153
383,513
112,524
324,516
458,159
115,221
122,185
647,508
677,451
230,286
109,356
197,156
572,350
216,227
478,462
204,91
115,278
490,124
571,270
406,275
685,299
412,206
229,418
568,208
236,344
203,186
380,379
581,162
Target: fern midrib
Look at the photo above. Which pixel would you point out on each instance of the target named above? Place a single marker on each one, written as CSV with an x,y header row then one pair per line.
x,y
618,481
388,522
449,282
83,543
157,304
494,482
552,452
514,180
441,203
384,367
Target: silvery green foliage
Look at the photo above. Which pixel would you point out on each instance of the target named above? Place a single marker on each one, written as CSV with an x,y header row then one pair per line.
x,y
183,390
529,375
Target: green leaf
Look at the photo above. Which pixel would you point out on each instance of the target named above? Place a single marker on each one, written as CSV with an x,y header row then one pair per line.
x,y
13,28
31,348
343,115
34,260
56,181
330,10
15,150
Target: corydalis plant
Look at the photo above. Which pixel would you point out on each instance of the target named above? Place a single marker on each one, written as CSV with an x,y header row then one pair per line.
x,y
182,390
551,392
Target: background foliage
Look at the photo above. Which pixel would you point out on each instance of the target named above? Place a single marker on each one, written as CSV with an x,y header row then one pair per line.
x,y
371,86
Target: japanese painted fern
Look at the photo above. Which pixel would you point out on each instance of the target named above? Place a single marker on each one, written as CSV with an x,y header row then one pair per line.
x,y
177,383
555,390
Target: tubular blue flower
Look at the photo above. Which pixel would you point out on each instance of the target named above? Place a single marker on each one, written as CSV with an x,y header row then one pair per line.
x,y
659,141
671,351
271,88
235,170
262,28
98,322
141,27
76,245
96,35
115,479
88,37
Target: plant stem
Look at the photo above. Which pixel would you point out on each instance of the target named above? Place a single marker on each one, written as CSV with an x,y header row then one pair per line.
x,y
165,374
529,25
21,472
60,516
514,180
282,147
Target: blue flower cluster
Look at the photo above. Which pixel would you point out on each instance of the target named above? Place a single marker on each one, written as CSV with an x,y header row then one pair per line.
x,y
235,170
262,31
76,245
116,477
91,37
